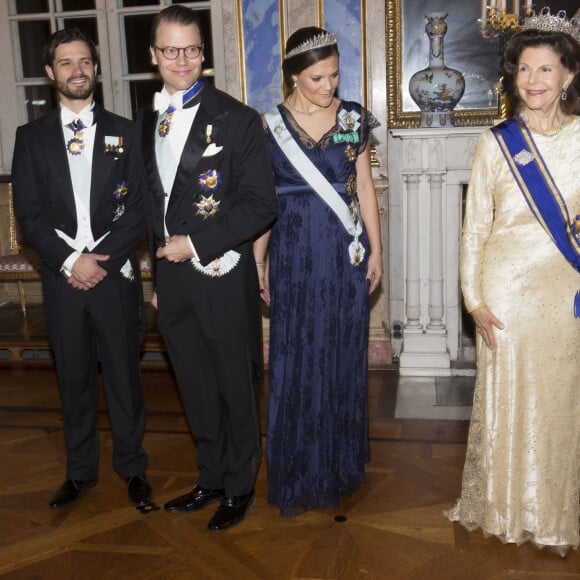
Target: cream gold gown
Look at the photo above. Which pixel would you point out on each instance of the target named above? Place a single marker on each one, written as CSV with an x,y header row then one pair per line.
x,y
521,478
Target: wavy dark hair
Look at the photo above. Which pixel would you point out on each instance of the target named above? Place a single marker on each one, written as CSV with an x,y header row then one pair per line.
x,y
175,14
64,37
297,63
566,47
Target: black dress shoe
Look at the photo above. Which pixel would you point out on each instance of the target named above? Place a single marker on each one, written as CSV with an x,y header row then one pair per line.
x,y
138,489
69,492
232,511
193,501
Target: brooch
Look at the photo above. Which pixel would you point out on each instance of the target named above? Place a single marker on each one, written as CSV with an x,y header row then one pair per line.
x,y
121,190
114,144
350,153
350,185
210,180
348,121
523,157
207,206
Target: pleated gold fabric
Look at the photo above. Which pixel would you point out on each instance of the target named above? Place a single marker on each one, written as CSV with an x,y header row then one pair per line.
x,y
522,469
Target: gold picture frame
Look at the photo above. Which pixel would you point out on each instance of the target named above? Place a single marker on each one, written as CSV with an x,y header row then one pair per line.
x,y
398,117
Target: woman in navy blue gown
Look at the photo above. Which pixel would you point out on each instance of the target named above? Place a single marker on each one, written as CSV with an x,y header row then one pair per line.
x,y
324,261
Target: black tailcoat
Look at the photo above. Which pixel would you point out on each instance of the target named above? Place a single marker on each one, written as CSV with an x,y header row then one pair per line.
x,y
103,322
212,325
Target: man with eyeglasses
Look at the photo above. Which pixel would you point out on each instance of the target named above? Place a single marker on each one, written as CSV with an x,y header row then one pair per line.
x,y
211,191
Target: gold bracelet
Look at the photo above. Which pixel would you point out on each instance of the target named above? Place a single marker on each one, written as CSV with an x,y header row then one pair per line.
x,y
480,305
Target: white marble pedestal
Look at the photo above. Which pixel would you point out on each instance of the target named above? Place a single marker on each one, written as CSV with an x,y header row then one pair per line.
x,y
428,169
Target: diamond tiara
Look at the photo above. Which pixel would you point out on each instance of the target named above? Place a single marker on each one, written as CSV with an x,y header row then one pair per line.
x,y
552,23
319,41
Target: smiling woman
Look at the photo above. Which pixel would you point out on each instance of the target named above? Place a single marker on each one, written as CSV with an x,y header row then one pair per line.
x,y
520,258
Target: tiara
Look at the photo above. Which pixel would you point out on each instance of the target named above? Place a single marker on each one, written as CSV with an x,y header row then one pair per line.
x,y
319,41
552,23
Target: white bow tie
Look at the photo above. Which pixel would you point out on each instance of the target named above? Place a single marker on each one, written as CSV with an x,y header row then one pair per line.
x,y
161,102
86,116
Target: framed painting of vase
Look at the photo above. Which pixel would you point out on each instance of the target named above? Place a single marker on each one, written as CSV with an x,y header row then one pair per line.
x,y
464,49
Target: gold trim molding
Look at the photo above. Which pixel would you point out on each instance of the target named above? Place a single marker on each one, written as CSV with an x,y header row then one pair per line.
x,y
397,118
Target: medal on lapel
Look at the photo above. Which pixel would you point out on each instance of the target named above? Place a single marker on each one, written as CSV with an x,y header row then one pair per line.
x,y
187,97
114,144
165,123
210,180
76,145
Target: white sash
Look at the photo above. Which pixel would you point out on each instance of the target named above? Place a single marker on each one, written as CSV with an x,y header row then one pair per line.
x,y
317,181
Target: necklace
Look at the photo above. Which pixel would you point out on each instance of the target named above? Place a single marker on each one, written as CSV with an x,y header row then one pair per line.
x,y
307,113
544,133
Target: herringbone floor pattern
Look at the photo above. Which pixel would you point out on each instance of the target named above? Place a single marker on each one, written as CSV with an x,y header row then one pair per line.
x,y
392,527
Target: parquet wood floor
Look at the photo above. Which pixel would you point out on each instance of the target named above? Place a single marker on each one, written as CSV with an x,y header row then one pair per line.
x,y
394,527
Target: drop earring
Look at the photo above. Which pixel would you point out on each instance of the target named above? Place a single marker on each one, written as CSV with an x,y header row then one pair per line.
x,y
564,95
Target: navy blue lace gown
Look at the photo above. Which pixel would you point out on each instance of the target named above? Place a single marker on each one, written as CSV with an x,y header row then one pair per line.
x,y
317,439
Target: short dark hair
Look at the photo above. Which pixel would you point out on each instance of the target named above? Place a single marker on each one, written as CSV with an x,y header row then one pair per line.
x,y
64,37
297,63
564,45
175,14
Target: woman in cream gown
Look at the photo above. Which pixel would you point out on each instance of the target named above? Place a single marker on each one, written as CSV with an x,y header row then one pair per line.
x,y
522,470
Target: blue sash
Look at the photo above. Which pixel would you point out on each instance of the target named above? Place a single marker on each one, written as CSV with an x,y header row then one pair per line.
x,y
540,191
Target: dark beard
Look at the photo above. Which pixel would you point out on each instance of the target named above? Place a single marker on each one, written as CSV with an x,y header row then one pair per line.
x,y
80,93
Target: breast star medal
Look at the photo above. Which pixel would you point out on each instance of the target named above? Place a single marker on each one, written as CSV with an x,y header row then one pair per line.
x,y
207,206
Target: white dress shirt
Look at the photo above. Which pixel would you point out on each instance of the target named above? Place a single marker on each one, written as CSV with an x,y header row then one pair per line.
x,y
80,167
169,149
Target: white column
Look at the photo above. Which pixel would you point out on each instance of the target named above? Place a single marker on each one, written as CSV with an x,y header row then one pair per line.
x,y
436,302
413,274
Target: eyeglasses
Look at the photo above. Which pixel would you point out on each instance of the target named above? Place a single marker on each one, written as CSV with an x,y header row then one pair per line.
x,y
172,52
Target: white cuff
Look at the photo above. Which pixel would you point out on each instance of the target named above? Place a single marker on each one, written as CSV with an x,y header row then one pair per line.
x,y
68,264
195,256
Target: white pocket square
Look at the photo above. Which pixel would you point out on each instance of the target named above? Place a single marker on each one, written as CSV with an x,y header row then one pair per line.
x,y
212,149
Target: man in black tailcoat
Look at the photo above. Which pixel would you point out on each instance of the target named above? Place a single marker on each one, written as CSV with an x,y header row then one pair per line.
x,y
78,202
211,190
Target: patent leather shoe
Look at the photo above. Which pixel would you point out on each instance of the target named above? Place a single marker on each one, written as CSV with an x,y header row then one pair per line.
x,y
232,511
139,490
69,492
193,501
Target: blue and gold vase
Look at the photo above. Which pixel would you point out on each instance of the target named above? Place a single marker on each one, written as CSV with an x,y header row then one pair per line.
x,y
437,88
